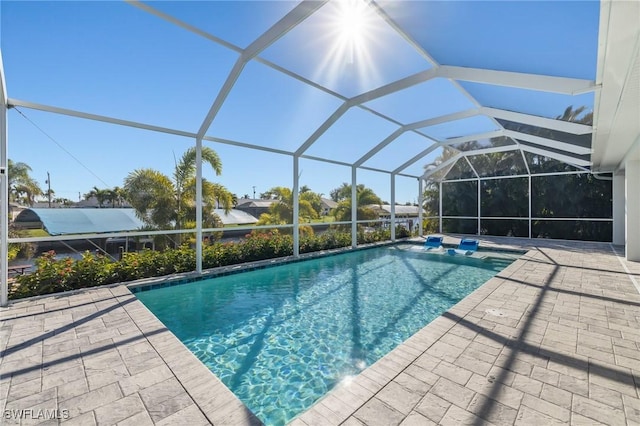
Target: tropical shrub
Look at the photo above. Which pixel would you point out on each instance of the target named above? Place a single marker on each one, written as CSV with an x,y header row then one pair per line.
x,y
55,275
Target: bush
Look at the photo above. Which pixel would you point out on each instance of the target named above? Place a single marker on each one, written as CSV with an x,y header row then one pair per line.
x,y
55,275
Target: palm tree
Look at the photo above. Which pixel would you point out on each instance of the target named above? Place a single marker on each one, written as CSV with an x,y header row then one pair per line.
x,y
573,115
22,187
102,196
281,211
116,196
364,197
163,203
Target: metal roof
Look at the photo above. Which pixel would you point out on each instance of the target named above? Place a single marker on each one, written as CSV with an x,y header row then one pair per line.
x,y
255,203
235,217
385,209
81,221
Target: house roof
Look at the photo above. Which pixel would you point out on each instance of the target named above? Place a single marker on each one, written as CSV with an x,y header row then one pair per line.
x,y
80,221
248,202
235,217
328,203
385,209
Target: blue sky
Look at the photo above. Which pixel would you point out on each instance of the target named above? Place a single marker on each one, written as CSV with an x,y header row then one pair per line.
x,y
113,59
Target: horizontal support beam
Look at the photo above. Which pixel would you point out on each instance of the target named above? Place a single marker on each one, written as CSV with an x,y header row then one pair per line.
x,y
551,143
543,83
560,157
474,137
443,119
325,160
95,117
395,86
491,150
246,145
534,120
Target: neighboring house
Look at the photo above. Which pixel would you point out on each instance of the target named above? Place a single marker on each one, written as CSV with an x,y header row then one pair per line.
x,y
45,205
327,206
92,202
88,203
235,217
255,207
404,214
384,211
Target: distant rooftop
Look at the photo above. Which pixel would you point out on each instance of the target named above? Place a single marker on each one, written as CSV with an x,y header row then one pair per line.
x,y
235,217
79,221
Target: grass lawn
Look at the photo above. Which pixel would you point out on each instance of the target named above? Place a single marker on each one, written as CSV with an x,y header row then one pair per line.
x,y
324,219
33,233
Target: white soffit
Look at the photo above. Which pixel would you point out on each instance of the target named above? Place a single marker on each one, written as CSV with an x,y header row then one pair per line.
x,y
617,107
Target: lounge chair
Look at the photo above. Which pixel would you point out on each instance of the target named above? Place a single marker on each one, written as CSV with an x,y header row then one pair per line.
x,y
433,243
466,247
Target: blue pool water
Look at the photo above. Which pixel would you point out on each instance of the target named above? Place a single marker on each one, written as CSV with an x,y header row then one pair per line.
x,y
281,337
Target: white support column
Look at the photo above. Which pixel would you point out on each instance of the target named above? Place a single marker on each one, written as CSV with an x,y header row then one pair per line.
x,y
440,208
618,210
393,207
420,208
632,196
530,211
296,206
354,209
479,205
199,205
4,197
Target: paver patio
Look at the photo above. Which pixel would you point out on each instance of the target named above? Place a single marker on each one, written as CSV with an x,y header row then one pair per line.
x,y
554,338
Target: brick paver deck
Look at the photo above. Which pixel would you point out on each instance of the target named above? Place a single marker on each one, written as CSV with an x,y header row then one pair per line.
x,y
554,338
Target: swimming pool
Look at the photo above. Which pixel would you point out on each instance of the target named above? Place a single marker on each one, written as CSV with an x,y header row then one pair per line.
x,y
282,337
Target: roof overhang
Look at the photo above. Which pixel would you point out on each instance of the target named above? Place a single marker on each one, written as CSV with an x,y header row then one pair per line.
x,y
617,105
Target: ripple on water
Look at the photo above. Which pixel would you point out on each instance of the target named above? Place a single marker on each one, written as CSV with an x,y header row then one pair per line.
x,y
281,337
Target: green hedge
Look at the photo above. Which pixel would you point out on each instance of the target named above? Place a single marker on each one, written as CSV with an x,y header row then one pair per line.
x,y
55,275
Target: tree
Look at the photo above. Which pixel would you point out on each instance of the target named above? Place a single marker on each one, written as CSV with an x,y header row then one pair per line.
x,y
116,196
101,195
63,201
268,195
341,193
364,197
281,212
22,187
313,198
165,203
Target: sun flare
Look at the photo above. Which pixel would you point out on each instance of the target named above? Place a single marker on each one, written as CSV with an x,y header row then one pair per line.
x,y
352,22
